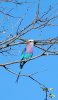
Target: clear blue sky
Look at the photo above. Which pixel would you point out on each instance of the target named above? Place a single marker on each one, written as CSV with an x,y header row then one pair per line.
x,y
47,67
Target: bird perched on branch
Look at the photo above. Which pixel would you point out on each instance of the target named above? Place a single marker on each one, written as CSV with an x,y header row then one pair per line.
x,y
26,54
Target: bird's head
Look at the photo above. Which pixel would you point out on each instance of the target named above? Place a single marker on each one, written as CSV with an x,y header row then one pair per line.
x,y
30,42
33,42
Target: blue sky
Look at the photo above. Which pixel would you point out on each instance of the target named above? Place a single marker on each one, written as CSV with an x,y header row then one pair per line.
x,y
46,66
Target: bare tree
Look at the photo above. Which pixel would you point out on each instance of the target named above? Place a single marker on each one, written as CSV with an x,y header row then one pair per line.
x,y
14,28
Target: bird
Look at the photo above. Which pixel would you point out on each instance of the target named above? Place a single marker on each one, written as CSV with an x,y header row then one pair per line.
x,y
27,53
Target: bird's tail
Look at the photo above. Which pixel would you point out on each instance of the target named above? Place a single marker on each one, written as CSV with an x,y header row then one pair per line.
x,y
18,77
22,64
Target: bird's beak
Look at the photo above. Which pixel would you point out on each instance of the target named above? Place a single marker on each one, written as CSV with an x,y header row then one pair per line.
x,y
25,42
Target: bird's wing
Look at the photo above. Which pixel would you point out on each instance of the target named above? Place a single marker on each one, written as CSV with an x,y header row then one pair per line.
x,y
23,53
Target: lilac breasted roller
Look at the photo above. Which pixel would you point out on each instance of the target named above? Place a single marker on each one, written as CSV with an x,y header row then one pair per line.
x,y
26,54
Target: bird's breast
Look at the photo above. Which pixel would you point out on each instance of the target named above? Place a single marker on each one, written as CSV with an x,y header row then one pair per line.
x,y
29,50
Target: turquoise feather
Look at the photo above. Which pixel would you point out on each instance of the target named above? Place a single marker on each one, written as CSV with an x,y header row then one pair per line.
x,y
25,56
